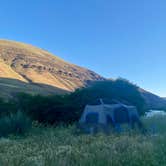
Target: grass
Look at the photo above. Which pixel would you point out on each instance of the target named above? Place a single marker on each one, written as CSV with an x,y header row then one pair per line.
x,y
49,146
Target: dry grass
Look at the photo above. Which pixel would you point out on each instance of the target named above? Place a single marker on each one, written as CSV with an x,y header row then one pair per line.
x,y
7,72
33,65
48,146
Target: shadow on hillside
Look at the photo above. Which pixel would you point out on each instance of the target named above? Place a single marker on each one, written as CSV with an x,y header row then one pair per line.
x,y
9,88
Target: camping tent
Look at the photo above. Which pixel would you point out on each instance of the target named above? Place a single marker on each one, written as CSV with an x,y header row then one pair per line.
x,y
105,115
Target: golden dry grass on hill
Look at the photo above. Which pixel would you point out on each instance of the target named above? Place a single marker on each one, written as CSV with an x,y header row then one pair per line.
x,y
36,66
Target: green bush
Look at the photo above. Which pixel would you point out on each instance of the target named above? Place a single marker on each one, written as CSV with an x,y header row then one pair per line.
x,y
6,107
15,123
49,109
68,108
120,89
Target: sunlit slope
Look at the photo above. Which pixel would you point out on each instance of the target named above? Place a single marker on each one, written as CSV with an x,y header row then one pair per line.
x,y
7,72
32,65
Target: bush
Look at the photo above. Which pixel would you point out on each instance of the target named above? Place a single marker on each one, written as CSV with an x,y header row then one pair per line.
x,y
17,123
50,109
68,108
6,107
120,89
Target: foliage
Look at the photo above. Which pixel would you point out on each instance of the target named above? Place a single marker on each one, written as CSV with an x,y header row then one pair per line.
x,y
50,109
120,89
6,107
15,123
67,109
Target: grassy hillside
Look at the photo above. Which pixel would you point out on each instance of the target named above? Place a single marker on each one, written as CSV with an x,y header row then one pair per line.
x,y
33,65
25,68
7,72
49,146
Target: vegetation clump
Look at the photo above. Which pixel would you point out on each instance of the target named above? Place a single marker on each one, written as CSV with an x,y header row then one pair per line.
x,y
67,109
15,123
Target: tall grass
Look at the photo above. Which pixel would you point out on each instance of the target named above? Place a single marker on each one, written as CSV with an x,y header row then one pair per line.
x,y
49,146
155,124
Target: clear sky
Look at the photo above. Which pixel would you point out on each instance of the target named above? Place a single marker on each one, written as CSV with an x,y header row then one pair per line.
x,y
125,38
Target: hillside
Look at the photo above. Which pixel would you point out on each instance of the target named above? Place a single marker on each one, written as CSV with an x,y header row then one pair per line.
x,y
30,69
153,101
25,68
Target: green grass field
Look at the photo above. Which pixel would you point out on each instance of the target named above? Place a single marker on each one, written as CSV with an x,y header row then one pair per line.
x,y
50,146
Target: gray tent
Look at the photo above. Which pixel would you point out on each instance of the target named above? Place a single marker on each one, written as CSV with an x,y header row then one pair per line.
x,y
105,115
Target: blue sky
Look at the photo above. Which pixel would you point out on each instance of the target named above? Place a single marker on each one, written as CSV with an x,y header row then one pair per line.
x,y
125,38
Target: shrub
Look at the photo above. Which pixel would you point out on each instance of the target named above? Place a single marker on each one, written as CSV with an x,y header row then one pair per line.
x,y
6,107
15,123
50,109
120,89
67,108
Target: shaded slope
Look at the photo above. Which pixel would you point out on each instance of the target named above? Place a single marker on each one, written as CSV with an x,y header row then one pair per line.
x,y
11,87
153,101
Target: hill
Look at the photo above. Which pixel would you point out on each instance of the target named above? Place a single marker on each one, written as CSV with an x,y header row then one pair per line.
x,y
29,69
25,68
153,101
